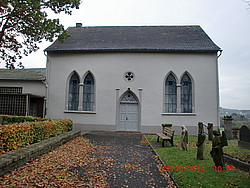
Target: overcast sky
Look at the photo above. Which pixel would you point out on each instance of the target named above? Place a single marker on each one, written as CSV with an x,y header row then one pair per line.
x,y
227,22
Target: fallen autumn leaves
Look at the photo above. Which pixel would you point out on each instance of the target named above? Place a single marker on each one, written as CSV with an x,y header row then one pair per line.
x,y
52,169
78,163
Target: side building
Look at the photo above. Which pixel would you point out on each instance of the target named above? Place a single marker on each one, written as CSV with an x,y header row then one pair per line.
x,y
22,92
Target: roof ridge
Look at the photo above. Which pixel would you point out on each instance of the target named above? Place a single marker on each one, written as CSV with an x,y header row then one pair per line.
x,y
135,26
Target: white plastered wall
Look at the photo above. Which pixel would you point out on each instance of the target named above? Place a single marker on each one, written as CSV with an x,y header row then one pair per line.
x,y
29,87
150,71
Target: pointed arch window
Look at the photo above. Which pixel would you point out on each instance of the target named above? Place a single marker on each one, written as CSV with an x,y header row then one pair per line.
x,y
186,94
73,97
170,94
88,93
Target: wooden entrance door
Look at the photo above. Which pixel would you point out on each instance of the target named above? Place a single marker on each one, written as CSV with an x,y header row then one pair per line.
x,y
129,113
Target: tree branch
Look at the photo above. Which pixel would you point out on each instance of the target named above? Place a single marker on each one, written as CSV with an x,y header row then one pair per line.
x,y
23,24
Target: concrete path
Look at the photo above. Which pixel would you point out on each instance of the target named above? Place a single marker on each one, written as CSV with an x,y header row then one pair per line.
x,y
131,161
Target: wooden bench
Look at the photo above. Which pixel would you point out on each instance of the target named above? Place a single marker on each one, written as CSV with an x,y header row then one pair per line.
x,y
166,135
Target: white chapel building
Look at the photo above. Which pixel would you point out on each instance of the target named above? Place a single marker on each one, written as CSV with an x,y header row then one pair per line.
x,y
134,78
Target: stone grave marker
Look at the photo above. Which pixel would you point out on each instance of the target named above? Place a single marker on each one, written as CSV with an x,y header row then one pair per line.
x,y
244,137
228,126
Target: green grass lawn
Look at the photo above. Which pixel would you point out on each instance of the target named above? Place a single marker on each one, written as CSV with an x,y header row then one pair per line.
x,y
190,172
233,150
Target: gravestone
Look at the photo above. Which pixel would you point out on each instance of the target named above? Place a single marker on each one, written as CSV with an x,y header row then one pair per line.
x,y
210,131
200,142
236,133
244,137
184,138
217,149
228,123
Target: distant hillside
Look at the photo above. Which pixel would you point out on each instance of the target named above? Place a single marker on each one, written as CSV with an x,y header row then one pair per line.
x,y
228,111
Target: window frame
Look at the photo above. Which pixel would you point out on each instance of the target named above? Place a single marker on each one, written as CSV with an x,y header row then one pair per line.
x,y
178,101
189,95
74,73
167,96
92,93
80,96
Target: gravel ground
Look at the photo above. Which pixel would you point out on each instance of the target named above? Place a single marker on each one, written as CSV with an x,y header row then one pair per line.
x,y
132,163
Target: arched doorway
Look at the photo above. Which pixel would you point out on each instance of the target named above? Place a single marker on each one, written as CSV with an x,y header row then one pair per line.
x,y
129,113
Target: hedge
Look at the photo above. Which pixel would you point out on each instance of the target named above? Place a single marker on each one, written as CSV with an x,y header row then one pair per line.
x,y
14,136
7,119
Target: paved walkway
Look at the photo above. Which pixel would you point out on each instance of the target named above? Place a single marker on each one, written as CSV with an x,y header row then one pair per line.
x,y
96,159
131,161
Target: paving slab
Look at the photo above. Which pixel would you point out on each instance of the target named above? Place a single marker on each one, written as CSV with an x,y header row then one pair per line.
x,y
132,162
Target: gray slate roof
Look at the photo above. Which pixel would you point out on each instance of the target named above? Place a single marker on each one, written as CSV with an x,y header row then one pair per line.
x,y
23,74
136,38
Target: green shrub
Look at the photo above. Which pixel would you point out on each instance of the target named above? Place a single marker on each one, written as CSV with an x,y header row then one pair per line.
x,y
13,136
8,119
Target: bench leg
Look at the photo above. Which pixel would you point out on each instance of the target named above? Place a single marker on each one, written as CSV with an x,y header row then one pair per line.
x,y
172,142
163,143
158,139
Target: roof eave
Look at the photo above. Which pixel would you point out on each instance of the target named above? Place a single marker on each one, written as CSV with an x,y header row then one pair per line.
x,y
22,79
134,50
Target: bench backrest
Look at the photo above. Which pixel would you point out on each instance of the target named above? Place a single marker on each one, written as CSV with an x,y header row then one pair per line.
x,y
168,131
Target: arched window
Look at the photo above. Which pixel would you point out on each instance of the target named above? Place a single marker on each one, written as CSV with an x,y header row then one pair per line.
x,y
88,93
170,94
186,94
73,97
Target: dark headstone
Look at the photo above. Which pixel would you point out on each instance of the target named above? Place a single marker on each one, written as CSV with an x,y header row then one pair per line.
x,y
200,146
244,134
210,131
223,139
244,137
200,128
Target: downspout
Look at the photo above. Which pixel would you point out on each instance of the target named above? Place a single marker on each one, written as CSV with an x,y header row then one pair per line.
x,y
27,105
45,99
46,83
218,89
